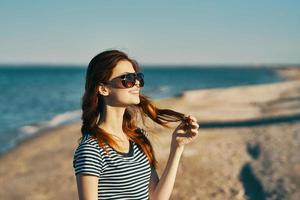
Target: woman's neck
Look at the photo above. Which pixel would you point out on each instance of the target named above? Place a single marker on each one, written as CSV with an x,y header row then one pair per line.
x,y
112,121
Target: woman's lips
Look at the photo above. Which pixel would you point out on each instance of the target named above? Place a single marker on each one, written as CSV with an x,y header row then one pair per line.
x,y
134,92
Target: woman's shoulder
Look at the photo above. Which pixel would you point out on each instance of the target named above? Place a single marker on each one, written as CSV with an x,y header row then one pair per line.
x,y
87,138
87,141
88,157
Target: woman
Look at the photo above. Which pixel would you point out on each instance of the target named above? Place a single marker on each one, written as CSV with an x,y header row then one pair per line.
x,y
114,158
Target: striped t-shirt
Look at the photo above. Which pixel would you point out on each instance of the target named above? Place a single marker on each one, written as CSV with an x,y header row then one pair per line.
x,y
121,175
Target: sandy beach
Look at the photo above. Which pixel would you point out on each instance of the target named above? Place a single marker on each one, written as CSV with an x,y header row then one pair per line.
x,y
248,146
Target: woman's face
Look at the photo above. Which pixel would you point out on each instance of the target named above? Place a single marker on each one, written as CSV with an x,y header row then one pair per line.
x,y
122,96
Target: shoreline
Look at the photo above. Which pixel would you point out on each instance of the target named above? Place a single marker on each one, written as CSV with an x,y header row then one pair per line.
x,y
286,72
27,132
219,158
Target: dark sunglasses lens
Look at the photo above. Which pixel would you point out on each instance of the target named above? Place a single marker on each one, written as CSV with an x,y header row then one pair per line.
x,y
129,83
130,79
140,77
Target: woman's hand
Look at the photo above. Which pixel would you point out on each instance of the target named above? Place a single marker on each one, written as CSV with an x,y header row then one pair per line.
x,y
185,132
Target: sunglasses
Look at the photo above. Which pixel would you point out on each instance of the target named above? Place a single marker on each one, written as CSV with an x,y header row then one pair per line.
x,y
128,80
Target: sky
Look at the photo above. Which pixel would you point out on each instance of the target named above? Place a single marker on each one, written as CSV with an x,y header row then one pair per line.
x,y
152,32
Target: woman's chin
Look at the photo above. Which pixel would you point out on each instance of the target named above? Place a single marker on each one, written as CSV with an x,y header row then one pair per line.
x,y
136,100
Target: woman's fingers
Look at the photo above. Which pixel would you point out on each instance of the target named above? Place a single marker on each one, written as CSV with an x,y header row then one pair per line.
x,y
193,125
192,118
194,131
190,123
187,130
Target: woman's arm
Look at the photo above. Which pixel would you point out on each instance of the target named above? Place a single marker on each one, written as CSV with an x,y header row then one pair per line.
x,y
162,189
185,132
87,187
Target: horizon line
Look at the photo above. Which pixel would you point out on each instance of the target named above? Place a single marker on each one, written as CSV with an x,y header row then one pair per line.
x,y
24,64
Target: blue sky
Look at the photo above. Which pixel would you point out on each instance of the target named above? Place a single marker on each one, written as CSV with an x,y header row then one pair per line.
x,y
152,32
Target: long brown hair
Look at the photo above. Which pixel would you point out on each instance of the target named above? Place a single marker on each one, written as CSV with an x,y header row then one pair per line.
x,y
99,70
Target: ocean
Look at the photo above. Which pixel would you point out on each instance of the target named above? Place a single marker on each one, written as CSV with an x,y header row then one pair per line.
x,y
35,98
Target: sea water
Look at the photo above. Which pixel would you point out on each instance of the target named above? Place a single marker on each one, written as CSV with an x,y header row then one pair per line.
x,y
35,98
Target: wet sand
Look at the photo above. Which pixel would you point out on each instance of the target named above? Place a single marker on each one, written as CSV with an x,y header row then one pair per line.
x,y
248,145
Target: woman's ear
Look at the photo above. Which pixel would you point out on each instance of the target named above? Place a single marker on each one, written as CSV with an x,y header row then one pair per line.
x,y
103,90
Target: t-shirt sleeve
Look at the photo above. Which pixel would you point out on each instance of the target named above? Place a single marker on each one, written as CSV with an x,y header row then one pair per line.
x,y
87,160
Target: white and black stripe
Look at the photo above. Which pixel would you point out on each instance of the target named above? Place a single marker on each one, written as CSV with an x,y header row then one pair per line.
x,y
121,175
